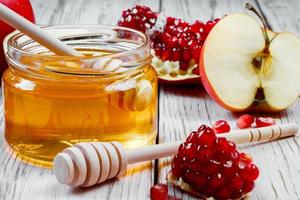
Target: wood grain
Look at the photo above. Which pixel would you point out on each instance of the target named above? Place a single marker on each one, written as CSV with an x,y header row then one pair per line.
x,y
21,181
183,109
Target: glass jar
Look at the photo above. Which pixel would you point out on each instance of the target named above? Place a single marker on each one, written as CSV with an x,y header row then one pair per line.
x,y
52,102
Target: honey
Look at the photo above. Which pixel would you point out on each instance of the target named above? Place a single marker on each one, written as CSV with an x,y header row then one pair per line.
x,y
54,102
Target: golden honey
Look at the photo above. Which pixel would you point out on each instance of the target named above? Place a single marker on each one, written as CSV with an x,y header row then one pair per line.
x,y
53,102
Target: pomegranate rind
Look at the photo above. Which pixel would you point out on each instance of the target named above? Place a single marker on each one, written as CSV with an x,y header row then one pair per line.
x,y
170,73
179,183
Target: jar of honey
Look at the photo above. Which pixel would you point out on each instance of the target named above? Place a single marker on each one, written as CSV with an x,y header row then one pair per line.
x,y
52,102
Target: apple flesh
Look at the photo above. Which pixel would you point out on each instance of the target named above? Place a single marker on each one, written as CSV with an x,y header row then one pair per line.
x,y
22,7
243,69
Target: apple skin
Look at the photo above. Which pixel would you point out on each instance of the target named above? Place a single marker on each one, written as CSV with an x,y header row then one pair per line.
x,y
264,107
22,7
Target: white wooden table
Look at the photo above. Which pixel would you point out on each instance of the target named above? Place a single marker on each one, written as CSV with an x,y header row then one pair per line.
x,y
181,109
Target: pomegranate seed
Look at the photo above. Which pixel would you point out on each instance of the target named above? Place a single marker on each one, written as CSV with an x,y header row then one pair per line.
x,y
246,158
248,186
159,192
165,55
231,146
175,55
236,182
221,144
207,136
264,121
186,55
184,65
213,167
245,121
193,137
236,194
196,71
223,193
187,38
138,17
216,180
200,180
221,126
250,173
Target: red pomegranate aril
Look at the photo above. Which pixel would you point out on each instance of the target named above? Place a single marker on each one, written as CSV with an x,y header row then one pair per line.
x,y
173,42
223,193
166,37
264,121
186,55
159,192
176,171
207,135
250,173
205,152
212,168
138,17
216,181
200,180
221,144
246,158
182,43
248,186
231,146
183,65
190,151
193,137
216,169
196,52
228,169
221,126
172,39
175,54
234,155
210,24
165,55
236,194
236,182
245,121
196,71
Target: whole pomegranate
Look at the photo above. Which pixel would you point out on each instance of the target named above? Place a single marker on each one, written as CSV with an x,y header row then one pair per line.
x,y
22,7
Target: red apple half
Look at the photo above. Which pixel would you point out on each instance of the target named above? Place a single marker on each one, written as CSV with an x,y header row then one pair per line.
x,y
243,67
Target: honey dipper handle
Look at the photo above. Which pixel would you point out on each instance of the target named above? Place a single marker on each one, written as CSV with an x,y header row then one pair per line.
x,y
35,32
239,137
152,152
262,134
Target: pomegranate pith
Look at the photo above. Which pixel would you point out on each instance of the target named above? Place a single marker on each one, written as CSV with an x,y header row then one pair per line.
x,y
213,167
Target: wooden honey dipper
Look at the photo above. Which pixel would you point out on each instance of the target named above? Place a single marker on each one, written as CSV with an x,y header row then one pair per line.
x,y
89,163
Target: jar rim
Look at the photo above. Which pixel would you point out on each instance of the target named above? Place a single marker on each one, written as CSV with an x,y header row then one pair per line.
x,y
10,39
133,49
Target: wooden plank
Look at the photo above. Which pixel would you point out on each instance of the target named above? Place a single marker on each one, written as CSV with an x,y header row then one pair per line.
x,y
22,181
183,109
282,15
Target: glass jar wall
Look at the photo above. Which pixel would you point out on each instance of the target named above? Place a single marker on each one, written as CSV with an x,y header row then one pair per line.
x,y
52,102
